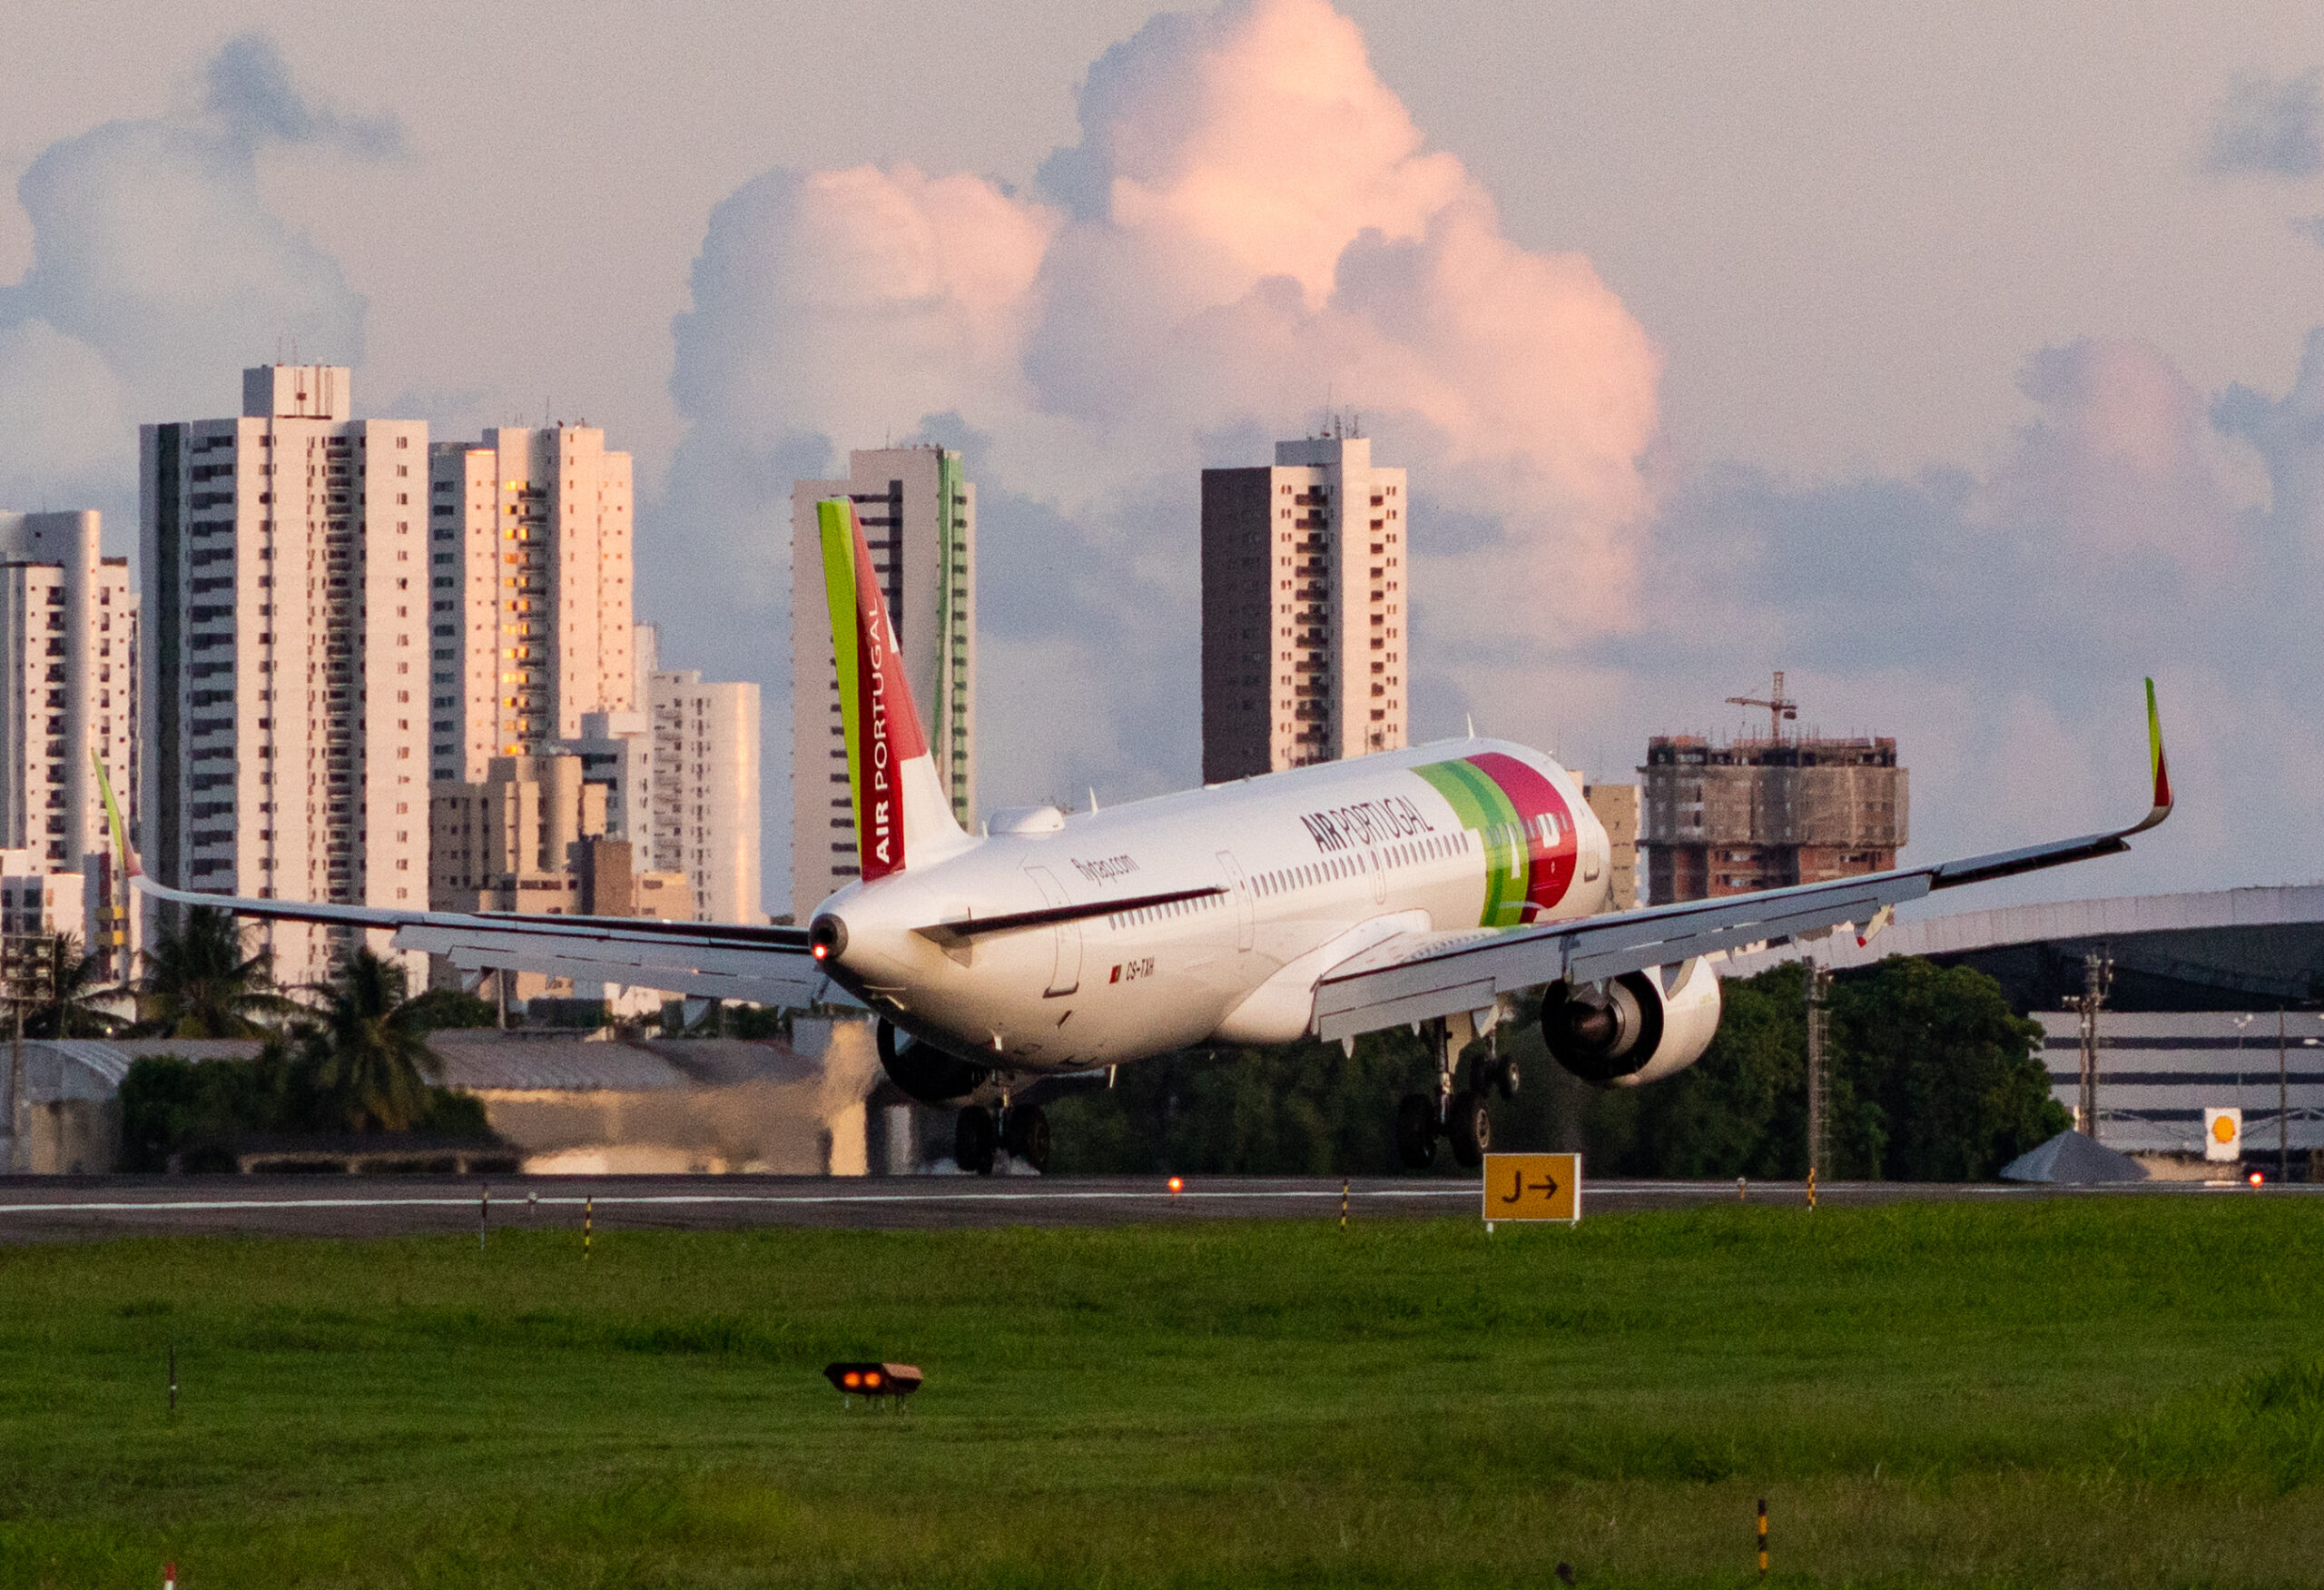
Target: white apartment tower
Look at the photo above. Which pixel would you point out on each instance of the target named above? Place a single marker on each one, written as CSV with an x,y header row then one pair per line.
x,y
703,800
529,596
68,665
284,554
1304,609
919,515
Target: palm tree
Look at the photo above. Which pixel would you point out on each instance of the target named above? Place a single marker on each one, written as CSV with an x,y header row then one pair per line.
x,y
199,984
67,985
369,1063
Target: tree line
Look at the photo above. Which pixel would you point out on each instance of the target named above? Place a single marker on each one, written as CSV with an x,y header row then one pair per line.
x,y
1933,1078
347,1055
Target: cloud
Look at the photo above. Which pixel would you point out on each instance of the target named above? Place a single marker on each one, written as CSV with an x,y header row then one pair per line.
x,y
1249,226
158,272
2265,127
1998,621
249,96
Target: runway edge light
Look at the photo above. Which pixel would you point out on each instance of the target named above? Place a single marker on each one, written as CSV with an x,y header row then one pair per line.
x,y
865,1379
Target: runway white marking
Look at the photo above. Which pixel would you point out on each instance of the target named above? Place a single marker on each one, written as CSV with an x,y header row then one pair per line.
x,y
509,1201
508,1197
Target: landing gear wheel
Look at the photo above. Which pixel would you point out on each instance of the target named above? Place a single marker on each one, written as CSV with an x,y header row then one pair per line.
x,y
1028,1134
1470,1129
972,1140
1416,1131
1505,1078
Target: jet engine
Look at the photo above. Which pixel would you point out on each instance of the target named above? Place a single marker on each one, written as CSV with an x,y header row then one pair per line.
x,y
1634,1029
925,1072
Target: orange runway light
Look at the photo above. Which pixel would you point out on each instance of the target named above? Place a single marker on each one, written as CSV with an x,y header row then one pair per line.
x,y
2257,1178
896,1380
1177,1185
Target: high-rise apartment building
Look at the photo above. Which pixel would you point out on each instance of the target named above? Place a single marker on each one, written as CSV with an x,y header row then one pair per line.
x,y
703,800
919,515
1766,814
531,837
529,597
68,669
284,554
1305,605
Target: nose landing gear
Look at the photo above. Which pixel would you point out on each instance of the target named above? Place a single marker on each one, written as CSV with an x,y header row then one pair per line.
x,y
1457,1114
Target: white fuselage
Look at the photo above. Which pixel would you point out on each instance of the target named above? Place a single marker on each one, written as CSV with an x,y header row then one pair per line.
x,y
1315,865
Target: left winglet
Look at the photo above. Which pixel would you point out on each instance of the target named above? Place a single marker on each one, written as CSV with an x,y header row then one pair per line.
x,y
122,852
2160,765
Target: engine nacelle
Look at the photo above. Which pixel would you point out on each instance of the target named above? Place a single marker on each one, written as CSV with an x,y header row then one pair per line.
x,y
1632,1030
925,1072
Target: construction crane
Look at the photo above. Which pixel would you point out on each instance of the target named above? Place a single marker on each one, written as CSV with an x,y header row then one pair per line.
x,y
1779,708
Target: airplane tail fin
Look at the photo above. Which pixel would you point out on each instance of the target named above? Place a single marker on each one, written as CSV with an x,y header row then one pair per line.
x,y
900,810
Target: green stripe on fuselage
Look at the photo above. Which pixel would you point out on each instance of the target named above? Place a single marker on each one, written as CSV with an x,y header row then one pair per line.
x,y
836,524
1483,805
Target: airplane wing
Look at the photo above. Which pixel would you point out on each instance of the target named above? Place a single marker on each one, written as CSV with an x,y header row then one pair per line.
x,y
1417,977
706,959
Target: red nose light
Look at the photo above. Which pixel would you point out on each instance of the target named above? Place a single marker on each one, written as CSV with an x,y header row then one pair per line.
x,y
820,951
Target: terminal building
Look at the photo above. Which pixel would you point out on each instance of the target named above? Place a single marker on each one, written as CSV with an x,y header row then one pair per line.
x,y
2214,1002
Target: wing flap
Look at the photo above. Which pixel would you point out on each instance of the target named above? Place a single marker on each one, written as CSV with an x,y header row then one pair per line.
x,y
1468,973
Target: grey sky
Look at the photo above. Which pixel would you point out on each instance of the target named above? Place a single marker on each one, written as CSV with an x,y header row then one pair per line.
x,y
1850,232
1845,224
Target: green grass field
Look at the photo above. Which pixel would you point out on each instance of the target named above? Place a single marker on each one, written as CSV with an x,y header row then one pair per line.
x,y
2068,1392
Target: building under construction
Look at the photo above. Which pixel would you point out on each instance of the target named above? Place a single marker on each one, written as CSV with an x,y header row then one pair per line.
x,y
1763,814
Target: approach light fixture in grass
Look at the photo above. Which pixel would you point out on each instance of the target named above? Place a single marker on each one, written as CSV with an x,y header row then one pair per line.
x,y
898,1380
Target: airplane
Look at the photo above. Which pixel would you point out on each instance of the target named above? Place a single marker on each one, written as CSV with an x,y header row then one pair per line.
x,y
1429,887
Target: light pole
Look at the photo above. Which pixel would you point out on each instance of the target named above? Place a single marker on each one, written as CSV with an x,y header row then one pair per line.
x,y
2097,980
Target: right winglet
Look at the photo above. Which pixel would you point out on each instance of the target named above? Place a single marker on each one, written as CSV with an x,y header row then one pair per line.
x,y
1978,869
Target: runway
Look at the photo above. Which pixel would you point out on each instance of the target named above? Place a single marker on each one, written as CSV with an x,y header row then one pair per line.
x,y
81,1208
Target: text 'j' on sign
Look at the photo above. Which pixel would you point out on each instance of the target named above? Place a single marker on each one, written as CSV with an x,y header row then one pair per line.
x,y
1532,1187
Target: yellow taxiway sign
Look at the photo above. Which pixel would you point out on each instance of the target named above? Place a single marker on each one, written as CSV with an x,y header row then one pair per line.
x,y
1533,1187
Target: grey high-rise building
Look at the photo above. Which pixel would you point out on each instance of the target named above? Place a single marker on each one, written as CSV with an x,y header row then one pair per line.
x,y
68,679
1304,609
284,554
919,515
530,569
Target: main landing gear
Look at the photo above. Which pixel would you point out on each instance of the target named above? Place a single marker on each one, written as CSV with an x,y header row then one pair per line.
x,y
1457,1114
978,1138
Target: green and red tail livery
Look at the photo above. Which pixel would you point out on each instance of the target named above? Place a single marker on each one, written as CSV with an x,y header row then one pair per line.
x,y
882,725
